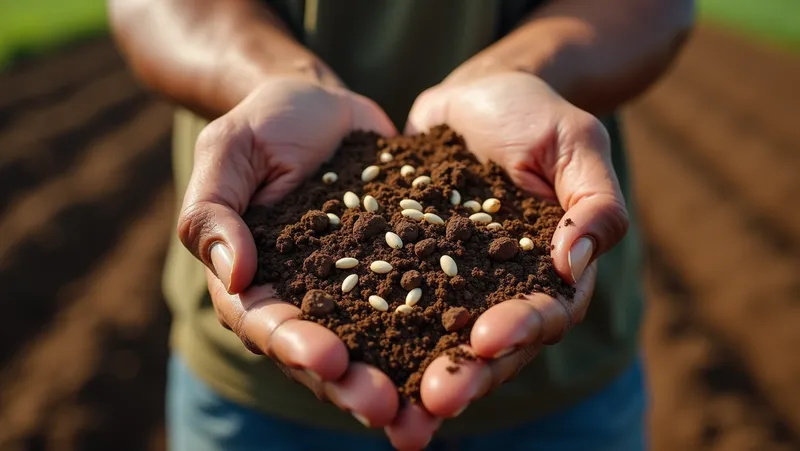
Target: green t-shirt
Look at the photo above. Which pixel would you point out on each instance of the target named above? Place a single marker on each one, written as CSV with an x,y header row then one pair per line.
x,y
390,51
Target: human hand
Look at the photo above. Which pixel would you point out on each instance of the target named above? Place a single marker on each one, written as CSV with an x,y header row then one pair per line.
x,y
256,154
554,151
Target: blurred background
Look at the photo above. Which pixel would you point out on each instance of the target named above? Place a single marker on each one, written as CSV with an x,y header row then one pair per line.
x,y
86,211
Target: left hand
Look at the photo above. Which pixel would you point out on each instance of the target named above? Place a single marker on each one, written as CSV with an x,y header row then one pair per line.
x,y
555,151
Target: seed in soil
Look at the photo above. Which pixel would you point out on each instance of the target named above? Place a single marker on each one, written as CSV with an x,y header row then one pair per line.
x,y
433,219
413,214
329,178
494,226
380,267
526,244
410,204
480,218
393,240
333,219
349,283
404,309
473,205
455,198
386,157
378,303
421,180
448,265
369,173
407,170
351,199
413,297
491,205
370,204
346,263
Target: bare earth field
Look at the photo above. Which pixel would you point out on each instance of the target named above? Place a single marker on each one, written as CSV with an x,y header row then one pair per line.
x,y
86,210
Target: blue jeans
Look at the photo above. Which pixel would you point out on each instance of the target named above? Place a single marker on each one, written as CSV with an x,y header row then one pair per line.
x,y
198,419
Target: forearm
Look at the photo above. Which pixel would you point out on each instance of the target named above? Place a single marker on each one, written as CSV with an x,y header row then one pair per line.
x,y
208,54
598,55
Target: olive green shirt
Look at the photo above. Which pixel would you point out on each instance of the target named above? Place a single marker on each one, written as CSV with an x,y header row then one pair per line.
x,y
390,51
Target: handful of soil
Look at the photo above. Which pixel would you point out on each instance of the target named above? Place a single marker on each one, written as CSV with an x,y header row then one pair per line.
x,y
397,245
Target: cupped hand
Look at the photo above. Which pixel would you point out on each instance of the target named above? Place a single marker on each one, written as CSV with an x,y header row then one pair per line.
x,y
256,154
555,151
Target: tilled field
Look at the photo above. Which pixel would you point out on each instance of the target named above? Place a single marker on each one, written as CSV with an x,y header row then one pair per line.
x,y
86,211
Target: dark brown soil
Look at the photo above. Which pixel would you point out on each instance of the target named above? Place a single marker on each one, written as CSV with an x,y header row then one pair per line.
x,y
298,248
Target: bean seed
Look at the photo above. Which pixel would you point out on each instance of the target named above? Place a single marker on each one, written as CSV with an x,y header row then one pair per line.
x,y
393,240
421,180
346,263
472,205
329,178
407,170
410,203
334,220
370,204
349,283
432,218
480,218
526,244
455,197
380,267
413,297
369,173
386,157
351,199
491,205
378,303
413,214
404,309
494,226
448,265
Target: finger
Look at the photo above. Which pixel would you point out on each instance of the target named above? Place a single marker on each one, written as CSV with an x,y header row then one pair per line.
x,y
367,393
537,318
210,223
413,428
428,110
587,188
269,326
447,393
368,116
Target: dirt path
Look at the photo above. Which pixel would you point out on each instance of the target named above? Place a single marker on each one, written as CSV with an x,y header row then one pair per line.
x,y
85,212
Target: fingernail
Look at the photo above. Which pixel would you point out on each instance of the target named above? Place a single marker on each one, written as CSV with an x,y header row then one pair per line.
x,y
459,411
504,352
222,259
579,256
360,419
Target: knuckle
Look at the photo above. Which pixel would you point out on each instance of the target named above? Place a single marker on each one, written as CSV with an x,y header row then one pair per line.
x,y
193,227
583,126
617,222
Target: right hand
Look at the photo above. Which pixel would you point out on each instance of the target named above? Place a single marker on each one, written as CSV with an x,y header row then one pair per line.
x,y
256,154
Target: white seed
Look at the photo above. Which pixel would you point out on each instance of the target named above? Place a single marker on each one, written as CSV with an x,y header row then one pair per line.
x,y
333,219
393,240
369,173
448,265
432,218
491,205
351,199
349,283
386,157
378,303
421,180
413,214
407,170
526,244
329,178
380,267
404,309
455,197
413,297
480,218
472,205
494,226
410,204
346,263
370,204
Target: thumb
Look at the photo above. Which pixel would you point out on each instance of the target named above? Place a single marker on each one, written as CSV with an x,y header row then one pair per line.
x,y
210,223
587,187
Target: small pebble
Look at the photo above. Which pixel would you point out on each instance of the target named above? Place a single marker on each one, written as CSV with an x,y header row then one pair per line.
x,y
413,297
380,267
472,205
411,279
480,218
346,263
407,170
370,204
351,199
349,283
386,157
526,244
494,226
455,319
393,240
317,303
503,249
455,197
369,173
491,205
378,303
432,218
411,204
413,214
405,309
333,219
421,180
448,265
329,178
